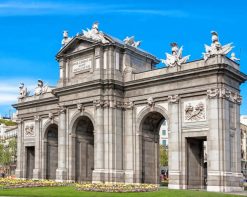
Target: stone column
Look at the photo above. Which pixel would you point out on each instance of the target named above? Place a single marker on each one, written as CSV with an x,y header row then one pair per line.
x,y
98,173
222,141
174,143
61,173
129,144
62,70
19,168
36,170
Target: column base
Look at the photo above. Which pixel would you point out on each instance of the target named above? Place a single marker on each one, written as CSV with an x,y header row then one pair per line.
x,y
219,181
108,176
36,174
19,173
129,176
224,189
98,176
61,175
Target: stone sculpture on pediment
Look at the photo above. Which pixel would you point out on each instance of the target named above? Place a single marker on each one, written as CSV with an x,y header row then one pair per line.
x,y
66,38
41,88
175,59
23,91
95,34
234,58
130,41
216,48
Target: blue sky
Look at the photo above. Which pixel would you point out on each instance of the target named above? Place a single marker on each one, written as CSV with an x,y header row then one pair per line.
x,y
31,33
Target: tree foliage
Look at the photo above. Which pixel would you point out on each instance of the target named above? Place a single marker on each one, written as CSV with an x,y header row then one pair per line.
x,y
7,122
8,152
163,156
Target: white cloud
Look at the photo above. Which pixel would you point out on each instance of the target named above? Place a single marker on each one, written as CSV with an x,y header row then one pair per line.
x,y
53,8
9,89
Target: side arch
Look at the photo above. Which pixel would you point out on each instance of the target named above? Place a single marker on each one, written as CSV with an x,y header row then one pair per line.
x,y
144,112
76,116
47,124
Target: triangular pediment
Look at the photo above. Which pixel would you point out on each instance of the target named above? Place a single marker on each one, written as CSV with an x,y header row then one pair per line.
x,y
76,44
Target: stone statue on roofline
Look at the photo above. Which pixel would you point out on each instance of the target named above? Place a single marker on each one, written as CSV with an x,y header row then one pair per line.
x,y
41,88
66,38
95,34
23,91
130,41
216,48
175,59
234,58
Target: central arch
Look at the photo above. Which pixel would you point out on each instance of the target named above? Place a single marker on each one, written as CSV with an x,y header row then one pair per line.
x,y
83,130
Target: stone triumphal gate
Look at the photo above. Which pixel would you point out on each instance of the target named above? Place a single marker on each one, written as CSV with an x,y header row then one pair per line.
x,y
101,122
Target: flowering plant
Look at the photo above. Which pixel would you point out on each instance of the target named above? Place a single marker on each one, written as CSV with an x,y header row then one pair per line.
x,y
6,183
118,187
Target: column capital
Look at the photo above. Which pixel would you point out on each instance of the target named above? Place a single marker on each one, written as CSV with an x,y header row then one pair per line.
x,y
224,93
36,118
129,105
62,109
19,121
98,103
173,98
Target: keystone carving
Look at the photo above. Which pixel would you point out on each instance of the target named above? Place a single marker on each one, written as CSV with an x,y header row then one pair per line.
x,y
150,101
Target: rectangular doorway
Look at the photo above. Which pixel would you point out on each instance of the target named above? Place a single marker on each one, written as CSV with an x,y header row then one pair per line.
x,y
196,163
30,153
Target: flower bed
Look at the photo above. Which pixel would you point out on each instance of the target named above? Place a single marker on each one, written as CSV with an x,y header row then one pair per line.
x,y
8,183
119,187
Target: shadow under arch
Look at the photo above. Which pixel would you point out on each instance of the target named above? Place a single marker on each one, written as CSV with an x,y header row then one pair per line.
x,y
148,126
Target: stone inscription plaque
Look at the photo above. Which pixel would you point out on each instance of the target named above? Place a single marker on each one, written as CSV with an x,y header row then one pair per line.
x,y
81,65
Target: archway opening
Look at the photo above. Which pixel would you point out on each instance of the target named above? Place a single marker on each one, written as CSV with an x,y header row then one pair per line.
x,y
84,149
52,151
196,162
150,127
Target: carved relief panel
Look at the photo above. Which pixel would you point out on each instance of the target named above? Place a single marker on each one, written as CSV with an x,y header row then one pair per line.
x,y
195,111
29,129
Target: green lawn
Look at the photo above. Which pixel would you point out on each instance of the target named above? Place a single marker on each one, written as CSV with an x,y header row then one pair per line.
x,y
71,192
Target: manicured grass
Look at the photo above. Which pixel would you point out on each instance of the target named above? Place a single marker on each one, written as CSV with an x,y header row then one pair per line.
x,y
71,192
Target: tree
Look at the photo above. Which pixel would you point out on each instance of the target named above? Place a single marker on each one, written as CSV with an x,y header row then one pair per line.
x,y
8,151
163,156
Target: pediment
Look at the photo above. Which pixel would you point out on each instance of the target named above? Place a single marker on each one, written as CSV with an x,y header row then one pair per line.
x,y
76,44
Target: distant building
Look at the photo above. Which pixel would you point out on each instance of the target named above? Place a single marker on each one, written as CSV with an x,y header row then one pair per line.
x,y
164,134
243,119
243,129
